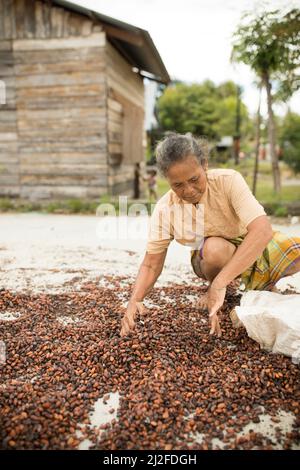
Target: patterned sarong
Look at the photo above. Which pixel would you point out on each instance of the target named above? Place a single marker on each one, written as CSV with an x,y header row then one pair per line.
x,y
279,255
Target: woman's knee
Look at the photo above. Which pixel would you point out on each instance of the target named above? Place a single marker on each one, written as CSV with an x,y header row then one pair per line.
x,y
217,250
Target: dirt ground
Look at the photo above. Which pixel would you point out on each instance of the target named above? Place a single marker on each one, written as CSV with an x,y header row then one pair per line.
x,y
57,255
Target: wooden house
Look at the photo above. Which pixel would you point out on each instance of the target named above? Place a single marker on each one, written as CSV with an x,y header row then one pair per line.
x,y
72,122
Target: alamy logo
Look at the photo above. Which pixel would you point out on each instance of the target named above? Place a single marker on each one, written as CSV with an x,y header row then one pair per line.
x,y
178,221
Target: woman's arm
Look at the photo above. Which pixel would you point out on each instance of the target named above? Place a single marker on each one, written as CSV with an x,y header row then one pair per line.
x,y
258,236
148,274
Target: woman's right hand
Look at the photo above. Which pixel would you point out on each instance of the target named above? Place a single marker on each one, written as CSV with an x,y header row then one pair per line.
x,y
128,321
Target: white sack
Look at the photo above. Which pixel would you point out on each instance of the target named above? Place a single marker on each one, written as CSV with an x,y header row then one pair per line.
x,y
273,320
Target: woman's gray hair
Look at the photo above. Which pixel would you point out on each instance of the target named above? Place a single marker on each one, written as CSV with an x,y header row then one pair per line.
x,y
176,147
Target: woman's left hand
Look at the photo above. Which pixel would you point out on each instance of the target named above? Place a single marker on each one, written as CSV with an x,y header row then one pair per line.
x,y
215,300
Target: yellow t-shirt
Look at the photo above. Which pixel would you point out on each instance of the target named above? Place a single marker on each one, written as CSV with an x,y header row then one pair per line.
x,y
225,210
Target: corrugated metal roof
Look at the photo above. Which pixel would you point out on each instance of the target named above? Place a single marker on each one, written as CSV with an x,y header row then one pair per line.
x,y
135,44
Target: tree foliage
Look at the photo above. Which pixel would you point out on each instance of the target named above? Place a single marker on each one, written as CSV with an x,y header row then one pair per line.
x,y
289,135
203,109
269,43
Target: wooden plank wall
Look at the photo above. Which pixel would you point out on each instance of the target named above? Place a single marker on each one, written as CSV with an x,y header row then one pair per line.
x,y
60,133
125,121
57,82
62,120
30,19
9,155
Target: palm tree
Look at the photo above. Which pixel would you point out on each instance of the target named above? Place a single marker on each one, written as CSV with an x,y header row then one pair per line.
x,y
257,146
269,44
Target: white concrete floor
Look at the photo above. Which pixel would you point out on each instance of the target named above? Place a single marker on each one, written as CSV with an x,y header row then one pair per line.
x,y
58,253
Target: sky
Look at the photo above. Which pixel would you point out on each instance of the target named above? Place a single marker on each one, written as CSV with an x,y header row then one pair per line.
x,y
194,37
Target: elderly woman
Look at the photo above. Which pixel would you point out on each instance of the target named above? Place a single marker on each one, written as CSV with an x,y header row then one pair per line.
x,y
215,213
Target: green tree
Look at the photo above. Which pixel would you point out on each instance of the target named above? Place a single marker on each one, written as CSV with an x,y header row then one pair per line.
x,y
269,44
188,108
225,123
288,29
289,135
203,109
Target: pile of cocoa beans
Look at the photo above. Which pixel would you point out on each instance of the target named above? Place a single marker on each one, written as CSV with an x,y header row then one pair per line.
x,y
176,382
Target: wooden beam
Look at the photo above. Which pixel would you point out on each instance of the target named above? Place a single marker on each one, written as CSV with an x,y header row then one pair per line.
x,y
95,40
126,36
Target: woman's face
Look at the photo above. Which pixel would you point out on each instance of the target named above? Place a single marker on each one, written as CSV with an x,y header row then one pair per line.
x,y
187,178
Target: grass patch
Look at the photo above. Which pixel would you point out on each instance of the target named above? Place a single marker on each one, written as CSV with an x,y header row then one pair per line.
x,y
162,186
246,167
15,205
265,193
6,204
71,206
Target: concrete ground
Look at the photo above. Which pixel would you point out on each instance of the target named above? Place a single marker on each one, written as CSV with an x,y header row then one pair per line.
x,y
58,253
